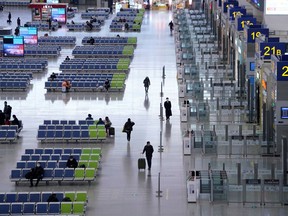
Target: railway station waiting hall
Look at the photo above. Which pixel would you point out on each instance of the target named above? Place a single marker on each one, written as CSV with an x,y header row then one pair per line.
x,y
76,116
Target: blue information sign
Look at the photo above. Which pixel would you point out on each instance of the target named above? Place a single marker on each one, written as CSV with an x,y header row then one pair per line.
x,y
227,4
253,33
245,20
237,11
272,48
282,71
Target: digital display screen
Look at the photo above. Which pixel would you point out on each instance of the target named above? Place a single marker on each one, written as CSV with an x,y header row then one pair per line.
x,y
13,46
30,35
276,7
58,14
52,1
284,112
252,66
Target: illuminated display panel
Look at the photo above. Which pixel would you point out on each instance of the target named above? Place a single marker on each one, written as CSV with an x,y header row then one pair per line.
x,y
59,14
276,7
30,35
13,46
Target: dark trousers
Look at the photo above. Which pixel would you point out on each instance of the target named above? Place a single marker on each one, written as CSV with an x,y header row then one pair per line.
x,y
149,161
128,135
38,179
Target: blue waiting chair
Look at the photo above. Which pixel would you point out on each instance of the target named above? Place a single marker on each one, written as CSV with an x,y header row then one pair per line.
x,y
35,197
16,208
11,197
15,175
41,208
5,209
39,151
54,208
22,197
68,174
28,208
58,174
45,196
48,174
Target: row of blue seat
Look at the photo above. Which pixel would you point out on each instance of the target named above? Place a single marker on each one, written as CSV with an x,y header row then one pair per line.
x,y
70,14
78,76
35,197
12,75
42,52
106,40
21,67
64,127
42,25
92,60
77,85
45,164
42,61
69,122
41,208
90,67
83,135
56,174
57,40
62,151
45,157
13,85
89,14
9,127
83,26
8,135
14,2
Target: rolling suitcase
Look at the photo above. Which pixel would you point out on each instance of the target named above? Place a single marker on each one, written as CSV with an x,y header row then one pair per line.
x,y
111,131
141,163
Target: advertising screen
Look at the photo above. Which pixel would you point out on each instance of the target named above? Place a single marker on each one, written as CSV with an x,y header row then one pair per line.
x,y
13,46
59,14
52,1
30,35
276,7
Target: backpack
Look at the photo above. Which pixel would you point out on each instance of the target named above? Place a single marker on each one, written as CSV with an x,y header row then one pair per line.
x,y
66,199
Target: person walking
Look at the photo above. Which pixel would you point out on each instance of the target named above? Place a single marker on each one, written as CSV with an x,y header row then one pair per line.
x,y
128,128
9,17
168,106
171,25
146,83
148,149
18,21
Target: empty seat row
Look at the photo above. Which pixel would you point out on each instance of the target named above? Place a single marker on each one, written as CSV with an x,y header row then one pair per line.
x,y
13,85
42,25
43,208
56,174
48,135
52,164
8,135
119,27
16,75
69,122
63,151
57,40
11,197
9,127
21,67
15,2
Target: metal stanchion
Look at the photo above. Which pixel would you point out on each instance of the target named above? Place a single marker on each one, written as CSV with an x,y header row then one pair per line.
x,y
255,170
160,147
163,72
161,112
159,192
238,173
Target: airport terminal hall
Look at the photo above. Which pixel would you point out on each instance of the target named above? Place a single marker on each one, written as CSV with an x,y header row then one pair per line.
x,y
144,107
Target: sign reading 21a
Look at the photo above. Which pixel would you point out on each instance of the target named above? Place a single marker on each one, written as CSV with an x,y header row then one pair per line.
x,y
282,71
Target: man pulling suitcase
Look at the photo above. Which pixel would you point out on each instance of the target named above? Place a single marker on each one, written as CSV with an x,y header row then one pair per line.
x,y
148,149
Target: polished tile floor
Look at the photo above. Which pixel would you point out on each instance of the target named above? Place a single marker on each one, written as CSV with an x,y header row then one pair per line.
x,y
120,189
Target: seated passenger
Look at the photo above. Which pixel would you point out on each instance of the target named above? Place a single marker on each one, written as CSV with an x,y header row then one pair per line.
x,y
71,162
15,121
67,58
72,22
52,76
100,122
89,117
126,26
7,122
107,85
118,36
91,41
52,198
36,173
66,86
89,25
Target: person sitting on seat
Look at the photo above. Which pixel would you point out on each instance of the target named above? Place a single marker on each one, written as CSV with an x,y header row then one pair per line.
x,y
15,121
126,26
107,85
71,162
89,117
118,36
67,58
72,22
100,122
91,41
52,198
52,76
66,84
7,122
36,173
89,25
